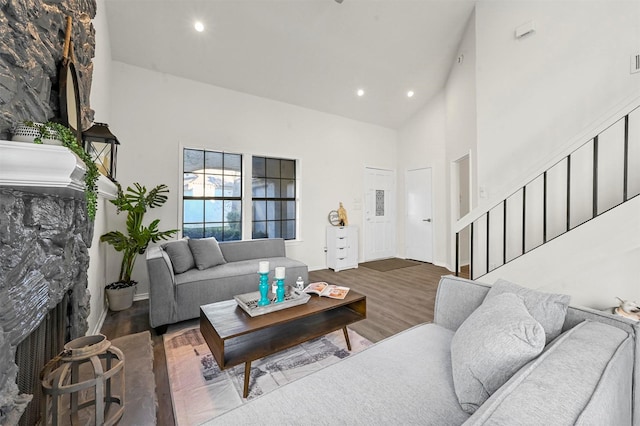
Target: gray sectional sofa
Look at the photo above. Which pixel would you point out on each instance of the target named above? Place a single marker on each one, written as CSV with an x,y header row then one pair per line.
x,y
491,357
188,273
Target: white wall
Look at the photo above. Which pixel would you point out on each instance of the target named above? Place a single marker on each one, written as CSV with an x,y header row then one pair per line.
x,y
157,114
101,83
100,103
440,133
593,263
461,128
536,93
540,97
422,144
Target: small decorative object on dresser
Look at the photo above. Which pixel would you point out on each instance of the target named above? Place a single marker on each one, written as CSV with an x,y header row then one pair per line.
x,y
342,215
333,217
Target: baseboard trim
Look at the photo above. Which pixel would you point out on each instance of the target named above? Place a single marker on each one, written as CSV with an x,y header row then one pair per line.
x,y
100,322
141,296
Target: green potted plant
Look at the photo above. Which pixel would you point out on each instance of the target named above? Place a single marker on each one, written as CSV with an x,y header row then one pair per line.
x,y
51,131
135,201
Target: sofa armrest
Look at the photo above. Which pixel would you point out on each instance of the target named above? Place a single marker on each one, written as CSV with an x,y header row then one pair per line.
x,y
583,378
162,301
456,299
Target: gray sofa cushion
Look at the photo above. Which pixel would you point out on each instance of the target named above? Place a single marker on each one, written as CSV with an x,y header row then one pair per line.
x,y
234,251
495,341
180,255
583,377
195,287
547,308
402,380
206,252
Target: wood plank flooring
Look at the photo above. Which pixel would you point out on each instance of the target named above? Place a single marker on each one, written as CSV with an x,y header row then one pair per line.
x,y
396,300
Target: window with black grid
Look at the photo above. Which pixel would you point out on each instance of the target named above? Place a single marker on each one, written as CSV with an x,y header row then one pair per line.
x,y
274,198
212,195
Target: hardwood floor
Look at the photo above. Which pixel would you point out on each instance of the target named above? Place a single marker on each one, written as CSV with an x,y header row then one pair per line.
x,y
396,300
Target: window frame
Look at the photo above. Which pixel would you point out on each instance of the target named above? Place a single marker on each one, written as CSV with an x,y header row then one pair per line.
x,y
284,216
239,199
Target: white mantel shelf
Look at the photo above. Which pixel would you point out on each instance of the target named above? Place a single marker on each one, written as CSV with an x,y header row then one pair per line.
x,y
46,168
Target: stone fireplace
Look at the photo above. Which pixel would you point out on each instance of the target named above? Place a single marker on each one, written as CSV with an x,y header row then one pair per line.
x,y
44,237
44,230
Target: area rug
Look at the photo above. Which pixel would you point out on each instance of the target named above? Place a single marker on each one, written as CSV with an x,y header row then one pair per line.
x,y
140,381
200,391
389,264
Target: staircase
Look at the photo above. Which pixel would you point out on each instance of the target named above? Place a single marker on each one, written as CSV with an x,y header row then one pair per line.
x,y
600,175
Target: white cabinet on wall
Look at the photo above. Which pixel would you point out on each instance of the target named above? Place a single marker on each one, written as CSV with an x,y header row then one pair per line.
x,y
342,247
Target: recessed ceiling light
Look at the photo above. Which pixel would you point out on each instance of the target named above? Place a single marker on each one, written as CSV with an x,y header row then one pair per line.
x,y
199,26
360,92
410,94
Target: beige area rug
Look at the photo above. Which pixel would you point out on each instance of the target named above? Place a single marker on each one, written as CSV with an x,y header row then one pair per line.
x,y
201,391
386,265
140,381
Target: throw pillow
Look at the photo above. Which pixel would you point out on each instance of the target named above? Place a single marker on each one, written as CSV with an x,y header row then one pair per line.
x,y
491,345
206,252
180,255
547,308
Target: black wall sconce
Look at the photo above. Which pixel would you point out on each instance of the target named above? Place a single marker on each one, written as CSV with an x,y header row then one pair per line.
x,y
102,147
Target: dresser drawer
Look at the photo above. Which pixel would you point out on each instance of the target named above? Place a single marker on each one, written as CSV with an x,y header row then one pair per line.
x,y
341,242
344,264
341,252
341,231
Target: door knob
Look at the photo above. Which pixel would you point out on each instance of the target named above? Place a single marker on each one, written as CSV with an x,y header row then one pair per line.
x,y
426,220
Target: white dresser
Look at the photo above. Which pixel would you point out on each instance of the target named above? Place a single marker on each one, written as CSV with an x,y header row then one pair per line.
x,y
342,247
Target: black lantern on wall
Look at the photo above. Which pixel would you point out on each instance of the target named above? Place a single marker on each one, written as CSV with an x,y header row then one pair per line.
x,y
102,147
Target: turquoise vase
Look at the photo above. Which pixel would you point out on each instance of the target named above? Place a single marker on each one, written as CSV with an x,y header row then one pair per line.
x,y
264,289
280,290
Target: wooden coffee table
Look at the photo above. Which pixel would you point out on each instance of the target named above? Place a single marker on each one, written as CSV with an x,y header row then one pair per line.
x,y
235,337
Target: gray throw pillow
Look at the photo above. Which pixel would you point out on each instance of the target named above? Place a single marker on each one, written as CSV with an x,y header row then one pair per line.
x,y
206,252
180,255
491,345
547,308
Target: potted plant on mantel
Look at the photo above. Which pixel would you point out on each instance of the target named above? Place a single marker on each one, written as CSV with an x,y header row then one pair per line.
x,y
56,134
135,202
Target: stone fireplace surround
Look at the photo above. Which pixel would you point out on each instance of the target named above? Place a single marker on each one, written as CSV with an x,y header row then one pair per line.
x,y
44,240
44,231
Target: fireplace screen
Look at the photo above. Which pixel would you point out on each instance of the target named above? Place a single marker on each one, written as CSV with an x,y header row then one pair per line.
x,y
35,351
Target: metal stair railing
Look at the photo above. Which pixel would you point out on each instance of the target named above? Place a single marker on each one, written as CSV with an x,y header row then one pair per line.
x,y
532,215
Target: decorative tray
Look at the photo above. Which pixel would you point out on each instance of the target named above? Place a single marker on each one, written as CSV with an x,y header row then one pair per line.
x,y
249,301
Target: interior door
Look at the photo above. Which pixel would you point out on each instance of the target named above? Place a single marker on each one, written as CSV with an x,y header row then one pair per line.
x,y
419,222
379,236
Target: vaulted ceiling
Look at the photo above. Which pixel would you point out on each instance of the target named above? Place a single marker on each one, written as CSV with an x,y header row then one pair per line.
x,y
311,53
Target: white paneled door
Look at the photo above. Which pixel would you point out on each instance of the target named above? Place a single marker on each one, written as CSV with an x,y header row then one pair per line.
x,y
419,223
379,237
